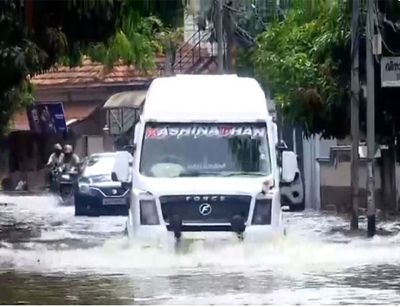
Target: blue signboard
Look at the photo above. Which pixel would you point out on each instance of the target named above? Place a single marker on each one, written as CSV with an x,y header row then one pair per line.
x,y
47,118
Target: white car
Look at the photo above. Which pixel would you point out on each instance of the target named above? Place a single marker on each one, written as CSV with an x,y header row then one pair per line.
x,y
292,194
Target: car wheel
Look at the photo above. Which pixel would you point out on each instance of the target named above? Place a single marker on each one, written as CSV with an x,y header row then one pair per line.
x,y
299,207
79,210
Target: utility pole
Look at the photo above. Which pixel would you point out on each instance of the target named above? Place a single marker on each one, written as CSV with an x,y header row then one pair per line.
x,y
371,212
230,27
355,110
29,14
220,33
168,66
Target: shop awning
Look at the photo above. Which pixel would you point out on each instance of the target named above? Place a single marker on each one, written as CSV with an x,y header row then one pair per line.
x,y
128,99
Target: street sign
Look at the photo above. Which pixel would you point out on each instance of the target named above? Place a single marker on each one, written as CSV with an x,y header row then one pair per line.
x,y
47,118
390,71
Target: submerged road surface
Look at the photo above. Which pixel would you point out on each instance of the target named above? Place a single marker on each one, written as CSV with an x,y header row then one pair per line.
x,y
49,256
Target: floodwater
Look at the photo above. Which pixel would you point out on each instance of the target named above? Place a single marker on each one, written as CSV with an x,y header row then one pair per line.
x,y
49,256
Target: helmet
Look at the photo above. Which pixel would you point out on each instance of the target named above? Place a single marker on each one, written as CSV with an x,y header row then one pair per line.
x,y
57,147
68,149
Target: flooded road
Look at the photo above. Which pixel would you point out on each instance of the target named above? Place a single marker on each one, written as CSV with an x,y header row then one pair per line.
x,y
49,256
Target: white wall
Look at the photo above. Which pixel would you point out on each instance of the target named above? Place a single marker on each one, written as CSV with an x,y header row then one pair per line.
x,y
314,148
95,144
193,10
311,172
340,176
189,26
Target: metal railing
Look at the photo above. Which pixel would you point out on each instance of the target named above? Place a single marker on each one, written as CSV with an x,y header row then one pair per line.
x,y
188,59
191,53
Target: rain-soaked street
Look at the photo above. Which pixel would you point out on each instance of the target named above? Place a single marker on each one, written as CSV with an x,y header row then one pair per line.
x,y
49,256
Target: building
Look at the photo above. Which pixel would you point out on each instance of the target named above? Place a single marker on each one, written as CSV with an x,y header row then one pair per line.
x,y
82,91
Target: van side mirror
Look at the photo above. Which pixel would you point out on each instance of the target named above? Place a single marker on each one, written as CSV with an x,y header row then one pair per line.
x,y
121,169
136,134
280,148
275,133
289,166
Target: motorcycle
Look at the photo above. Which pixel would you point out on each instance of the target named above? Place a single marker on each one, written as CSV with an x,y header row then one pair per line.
x,y
66,185
54,181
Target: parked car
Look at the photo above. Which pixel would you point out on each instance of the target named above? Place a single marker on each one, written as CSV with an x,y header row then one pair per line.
x,y
292,194
96,193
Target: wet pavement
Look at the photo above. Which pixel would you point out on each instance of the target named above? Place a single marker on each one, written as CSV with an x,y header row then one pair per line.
x,y
49,256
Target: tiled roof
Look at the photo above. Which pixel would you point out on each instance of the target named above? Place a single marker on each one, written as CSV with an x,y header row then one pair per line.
x,y
93,74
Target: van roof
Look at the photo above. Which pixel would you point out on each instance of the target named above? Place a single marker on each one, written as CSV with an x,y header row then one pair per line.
x,y
205,98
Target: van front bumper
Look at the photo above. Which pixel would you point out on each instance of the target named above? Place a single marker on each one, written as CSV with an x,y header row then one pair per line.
x,y
160,233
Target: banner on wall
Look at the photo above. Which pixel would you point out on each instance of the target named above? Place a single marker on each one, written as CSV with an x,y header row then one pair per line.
x,y
47,118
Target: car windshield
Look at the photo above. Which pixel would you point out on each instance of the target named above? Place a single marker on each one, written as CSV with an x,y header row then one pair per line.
x,y
98,168
191,150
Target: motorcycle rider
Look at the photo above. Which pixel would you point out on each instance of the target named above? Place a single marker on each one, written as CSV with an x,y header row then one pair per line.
x,y
71,160
54,163
56,157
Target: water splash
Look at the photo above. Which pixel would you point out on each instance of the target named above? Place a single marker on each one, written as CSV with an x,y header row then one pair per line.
x,y
97,244
315,263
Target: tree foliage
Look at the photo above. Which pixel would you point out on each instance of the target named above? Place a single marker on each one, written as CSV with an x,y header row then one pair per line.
x,y
304,60
19,57
140,35
134,43
35,35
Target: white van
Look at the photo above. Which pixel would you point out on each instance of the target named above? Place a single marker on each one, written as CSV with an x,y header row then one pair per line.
x,y
205,163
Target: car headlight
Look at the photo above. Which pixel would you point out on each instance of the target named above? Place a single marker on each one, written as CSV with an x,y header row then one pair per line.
x,y
84,188
65,177
262,210
148,212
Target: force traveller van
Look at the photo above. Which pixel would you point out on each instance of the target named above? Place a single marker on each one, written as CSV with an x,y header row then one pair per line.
x,y
205,162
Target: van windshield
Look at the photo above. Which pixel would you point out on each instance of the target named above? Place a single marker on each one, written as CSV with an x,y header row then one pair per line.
x,y
191,150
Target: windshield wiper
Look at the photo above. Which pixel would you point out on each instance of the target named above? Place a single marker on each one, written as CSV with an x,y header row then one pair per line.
x,y
231,174
190,174
196,173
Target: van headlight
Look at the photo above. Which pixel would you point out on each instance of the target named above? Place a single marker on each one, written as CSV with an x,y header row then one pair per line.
x,y
148,212
262,210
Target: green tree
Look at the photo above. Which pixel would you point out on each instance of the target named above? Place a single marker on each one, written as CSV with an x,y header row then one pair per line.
x,y
35,35
304,60
143,30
